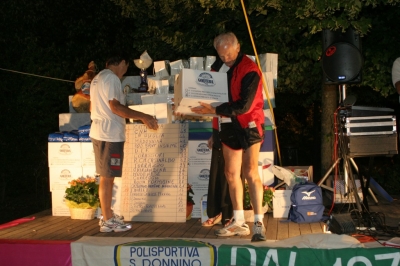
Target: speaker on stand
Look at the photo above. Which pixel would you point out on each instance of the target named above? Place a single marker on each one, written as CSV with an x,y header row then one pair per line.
x,y
341,59
342,63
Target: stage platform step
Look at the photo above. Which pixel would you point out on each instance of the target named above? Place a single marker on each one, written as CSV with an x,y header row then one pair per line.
x,y
48,227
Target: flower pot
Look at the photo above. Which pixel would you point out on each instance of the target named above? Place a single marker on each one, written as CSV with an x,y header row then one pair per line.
x,y
82,214
189,209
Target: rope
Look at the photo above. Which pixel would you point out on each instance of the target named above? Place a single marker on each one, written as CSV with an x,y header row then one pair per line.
x,y
264,83
36,75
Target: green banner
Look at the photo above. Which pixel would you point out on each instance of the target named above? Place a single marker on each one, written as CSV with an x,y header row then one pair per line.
x,y
249,255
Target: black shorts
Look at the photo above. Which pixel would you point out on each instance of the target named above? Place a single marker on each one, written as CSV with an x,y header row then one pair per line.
x,y
109,157
238,139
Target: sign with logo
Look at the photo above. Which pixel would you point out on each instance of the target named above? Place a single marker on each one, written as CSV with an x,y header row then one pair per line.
x,y
165,252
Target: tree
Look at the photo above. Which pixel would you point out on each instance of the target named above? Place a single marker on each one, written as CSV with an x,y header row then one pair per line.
x,y
290,28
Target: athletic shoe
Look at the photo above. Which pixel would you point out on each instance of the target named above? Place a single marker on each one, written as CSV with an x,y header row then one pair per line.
x,y
234,229
258,232
120,218
115,225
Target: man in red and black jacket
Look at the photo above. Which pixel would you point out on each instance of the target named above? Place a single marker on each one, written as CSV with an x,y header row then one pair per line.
x,y
240,127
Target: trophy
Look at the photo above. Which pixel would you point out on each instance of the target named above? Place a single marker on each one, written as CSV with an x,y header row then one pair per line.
x,y
143,63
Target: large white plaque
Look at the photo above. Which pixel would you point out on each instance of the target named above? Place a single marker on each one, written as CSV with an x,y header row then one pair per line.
x,y
154,176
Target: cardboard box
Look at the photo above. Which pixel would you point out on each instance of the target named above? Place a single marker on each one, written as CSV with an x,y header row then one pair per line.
x,y
198,177
269,81
72,121
281,203
266,161
71,108
60,176
62,154
89,171
269,63
302,171
58,206
132,81
193,86
87,154
203,208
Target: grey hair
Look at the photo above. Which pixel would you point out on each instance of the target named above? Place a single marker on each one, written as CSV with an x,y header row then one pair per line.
x,y
226,38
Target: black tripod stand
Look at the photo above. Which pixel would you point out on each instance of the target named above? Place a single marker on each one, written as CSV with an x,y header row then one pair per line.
x,y
350,187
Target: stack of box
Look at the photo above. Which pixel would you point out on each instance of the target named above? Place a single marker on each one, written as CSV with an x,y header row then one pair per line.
x,y
67,161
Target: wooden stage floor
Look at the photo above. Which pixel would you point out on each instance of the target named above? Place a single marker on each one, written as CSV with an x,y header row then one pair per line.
x,y
48,227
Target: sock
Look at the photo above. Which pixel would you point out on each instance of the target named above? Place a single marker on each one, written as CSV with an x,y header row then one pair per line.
x,y
258,218
238,215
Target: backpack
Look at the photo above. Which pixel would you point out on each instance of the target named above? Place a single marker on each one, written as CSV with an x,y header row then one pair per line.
x,y
307,203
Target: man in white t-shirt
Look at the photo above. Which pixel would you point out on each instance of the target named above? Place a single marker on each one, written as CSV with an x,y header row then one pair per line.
x,y
396,74
108,114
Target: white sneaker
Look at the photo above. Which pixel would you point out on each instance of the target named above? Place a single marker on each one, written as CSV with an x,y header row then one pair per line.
x,y
115,225
234,229
258,232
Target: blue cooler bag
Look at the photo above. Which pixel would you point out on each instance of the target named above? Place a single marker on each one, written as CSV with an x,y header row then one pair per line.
x,y
307,203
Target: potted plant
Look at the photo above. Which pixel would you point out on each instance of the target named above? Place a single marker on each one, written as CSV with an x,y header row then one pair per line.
x,y
268,194
189,202
82,197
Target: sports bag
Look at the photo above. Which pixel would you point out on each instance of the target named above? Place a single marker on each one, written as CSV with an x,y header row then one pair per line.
x,y
307,203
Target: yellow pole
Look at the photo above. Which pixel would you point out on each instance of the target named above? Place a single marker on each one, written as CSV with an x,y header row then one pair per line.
x,y
264,83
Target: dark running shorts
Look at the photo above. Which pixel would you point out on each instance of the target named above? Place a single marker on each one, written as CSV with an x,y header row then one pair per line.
x,y
109,157
234,138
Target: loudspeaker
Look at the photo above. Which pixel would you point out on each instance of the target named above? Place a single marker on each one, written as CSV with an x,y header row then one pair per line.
x,y
341,224
341,58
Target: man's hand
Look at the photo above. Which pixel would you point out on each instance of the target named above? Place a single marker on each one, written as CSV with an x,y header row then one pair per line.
x,y
204,108
150,121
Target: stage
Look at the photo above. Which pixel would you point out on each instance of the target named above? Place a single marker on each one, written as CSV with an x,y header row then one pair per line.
x,y
43,239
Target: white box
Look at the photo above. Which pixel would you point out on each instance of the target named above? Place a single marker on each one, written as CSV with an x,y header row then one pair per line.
x,y
281,203
266,161
302,171
269,82
135,98
199,153
196,63
203,208
198,177
132,81
60,176
71,109
87,154
58,206
72,121
89,171
159,110
193,86
61,154
269,63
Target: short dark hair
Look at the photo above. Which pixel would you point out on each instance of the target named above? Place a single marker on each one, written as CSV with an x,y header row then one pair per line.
x,y
116,57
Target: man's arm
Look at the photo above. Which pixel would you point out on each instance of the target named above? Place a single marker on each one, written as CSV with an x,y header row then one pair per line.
x,y
125,112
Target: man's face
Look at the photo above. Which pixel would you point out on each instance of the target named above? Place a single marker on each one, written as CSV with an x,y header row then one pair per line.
x,y
228,53
122,68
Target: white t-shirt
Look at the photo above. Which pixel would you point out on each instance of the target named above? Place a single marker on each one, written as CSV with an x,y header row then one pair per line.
x,y
396,71
106,125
